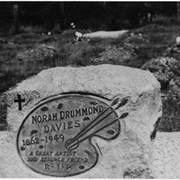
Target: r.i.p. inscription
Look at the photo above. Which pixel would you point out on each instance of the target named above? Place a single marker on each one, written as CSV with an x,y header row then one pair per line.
x,y
55,137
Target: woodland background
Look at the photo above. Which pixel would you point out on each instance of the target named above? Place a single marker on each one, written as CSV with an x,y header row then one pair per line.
x,y
38,35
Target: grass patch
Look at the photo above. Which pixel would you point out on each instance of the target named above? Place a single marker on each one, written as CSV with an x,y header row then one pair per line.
x,y
151,43
78,53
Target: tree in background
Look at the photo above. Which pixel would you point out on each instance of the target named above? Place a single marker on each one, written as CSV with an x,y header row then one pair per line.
x,y
16,18
178,12
86,15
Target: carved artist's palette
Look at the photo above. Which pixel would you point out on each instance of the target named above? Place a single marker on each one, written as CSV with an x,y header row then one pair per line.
x,y
55,137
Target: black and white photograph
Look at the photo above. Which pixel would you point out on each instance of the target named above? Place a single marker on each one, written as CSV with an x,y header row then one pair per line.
x,y
90,89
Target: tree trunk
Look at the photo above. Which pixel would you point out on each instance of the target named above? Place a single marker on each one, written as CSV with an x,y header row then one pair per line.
x,y
178,12
16,18
62,16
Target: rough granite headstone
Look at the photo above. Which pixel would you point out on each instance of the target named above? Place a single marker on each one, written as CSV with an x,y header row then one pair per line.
x,y
93,121
166,156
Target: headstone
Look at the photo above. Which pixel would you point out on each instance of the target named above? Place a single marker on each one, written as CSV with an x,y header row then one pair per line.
x,y
93,121
105,34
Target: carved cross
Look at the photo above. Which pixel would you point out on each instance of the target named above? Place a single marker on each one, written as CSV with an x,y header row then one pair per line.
x,y
19,101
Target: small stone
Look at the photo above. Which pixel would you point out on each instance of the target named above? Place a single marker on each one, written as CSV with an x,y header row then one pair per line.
x,y
177,40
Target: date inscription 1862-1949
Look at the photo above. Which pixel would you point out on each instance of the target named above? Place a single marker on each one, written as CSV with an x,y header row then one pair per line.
x,y
55,137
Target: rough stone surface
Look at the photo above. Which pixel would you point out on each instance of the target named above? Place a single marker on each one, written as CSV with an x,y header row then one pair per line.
x,y
130,154
166,156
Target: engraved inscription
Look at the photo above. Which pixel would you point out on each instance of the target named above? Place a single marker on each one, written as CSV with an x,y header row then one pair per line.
x,y
55,137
